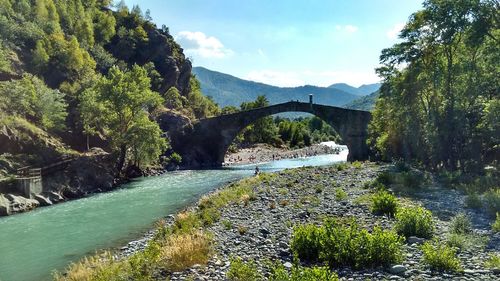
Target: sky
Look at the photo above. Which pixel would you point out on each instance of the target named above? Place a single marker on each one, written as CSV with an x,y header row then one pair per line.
x,y
285,43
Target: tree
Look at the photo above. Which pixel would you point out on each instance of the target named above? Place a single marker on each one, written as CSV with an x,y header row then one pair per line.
x,y
118,107
173,98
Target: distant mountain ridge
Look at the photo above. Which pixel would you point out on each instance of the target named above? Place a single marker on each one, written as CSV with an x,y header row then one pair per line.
x,y
362,90
229,90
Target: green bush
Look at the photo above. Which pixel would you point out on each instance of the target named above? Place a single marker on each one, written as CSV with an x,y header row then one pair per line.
x,y
493,261
384,178
473,201
492,200
241,271
340,194
457,240
279,273
414,221
440,257
306,241
384,203
357,164
496,225
346,245
461,224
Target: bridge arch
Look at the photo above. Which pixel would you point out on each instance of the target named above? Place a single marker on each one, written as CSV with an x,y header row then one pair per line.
x,y
207,142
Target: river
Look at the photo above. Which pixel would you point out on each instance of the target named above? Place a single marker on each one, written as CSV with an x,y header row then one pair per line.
x,y
35,243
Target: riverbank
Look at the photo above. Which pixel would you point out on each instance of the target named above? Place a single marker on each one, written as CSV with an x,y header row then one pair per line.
x,y
256,224
260,153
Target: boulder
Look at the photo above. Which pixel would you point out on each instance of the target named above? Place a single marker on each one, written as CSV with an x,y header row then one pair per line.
x,y
44,201
397,269
54,197
4,206
133,171
19,204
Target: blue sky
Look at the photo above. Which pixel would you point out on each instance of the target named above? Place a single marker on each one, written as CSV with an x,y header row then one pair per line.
x,y
285,43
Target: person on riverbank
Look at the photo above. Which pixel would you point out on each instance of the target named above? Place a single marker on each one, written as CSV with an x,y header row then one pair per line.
x,y
257,171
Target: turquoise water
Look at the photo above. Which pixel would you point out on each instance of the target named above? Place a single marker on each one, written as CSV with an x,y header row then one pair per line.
x,y
35,243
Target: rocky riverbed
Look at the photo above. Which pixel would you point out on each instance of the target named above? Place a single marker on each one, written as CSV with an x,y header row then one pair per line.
x,y
261,230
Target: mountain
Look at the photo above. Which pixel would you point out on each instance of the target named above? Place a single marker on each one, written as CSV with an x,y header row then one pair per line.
x,y
362,90
364,103
229,90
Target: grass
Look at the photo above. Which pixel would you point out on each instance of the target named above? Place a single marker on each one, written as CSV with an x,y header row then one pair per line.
x,y
181,251
440,257
491,200
242,229
414,221
473,201
241,271
227,224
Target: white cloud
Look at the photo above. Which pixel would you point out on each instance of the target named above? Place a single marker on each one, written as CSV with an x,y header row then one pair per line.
x,y
394,31
347,28
198,43
318,78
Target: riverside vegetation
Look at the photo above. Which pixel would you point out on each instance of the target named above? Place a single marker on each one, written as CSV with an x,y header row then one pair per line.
x,y
243,232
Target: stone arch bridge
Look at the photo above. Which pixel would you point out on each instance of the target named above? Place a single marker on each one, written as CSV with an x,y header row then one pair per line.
x,y
207,141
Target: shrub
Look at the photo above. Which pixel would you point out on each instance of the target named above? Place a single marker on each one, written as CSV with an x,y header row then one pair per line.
x,y
318,188
384,178
414,221
279,273
457,240
242,229
353,246
493,261
341,166
357,164
440,257
473,201
340,194
496,224
306,241
346,245
384,203
492,200
186,249
227,224
185,222
460,224
241,271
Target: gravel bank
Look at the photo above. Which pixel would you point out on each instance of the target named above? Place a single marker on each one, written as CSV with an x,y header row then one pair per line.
x,y
308,195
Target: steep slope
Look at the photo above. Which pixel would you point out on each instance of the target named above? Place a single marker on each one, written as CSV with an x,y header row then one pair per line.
x,y
229,90
364,103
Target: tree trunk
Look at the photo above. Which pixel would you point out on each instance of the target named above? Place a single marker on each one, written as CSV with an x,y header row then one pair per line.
x,y
121,159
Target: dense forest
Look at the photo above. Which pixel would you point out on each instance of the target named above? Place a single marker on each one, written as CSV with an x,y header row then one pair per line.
x,y
87,70
439,105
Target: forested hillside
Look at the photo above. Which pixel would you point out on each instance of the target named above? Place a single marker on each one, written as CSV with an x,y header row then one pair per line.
x,y
74,72
439,104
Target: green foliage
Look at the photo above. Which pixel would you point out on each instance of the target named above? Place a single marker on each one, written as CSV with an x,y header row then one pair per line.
x,y
493,261
491,200
438,104
30,98
340,194
202,106
117,106
461,224
346,245
241,271
306,241
455,240
495,226
385,203
414,221
473,201
440,257
315,273
173,98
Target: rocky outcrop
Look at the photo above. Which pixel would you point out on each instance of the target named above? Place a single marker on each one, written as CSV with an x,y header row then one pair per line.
x,y
19,204
82,176
44,201
4,206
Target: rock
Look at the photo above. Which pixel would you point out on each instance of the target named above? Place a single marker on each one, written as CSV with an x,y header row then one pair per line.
x,y
19,204
133,171
54,196
397,269
415,240
44,201
264,231
4,206
288,265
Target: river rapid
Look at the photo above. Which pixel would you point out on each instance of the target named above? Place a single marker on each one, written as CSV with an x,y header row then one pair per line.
x,y
34,244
